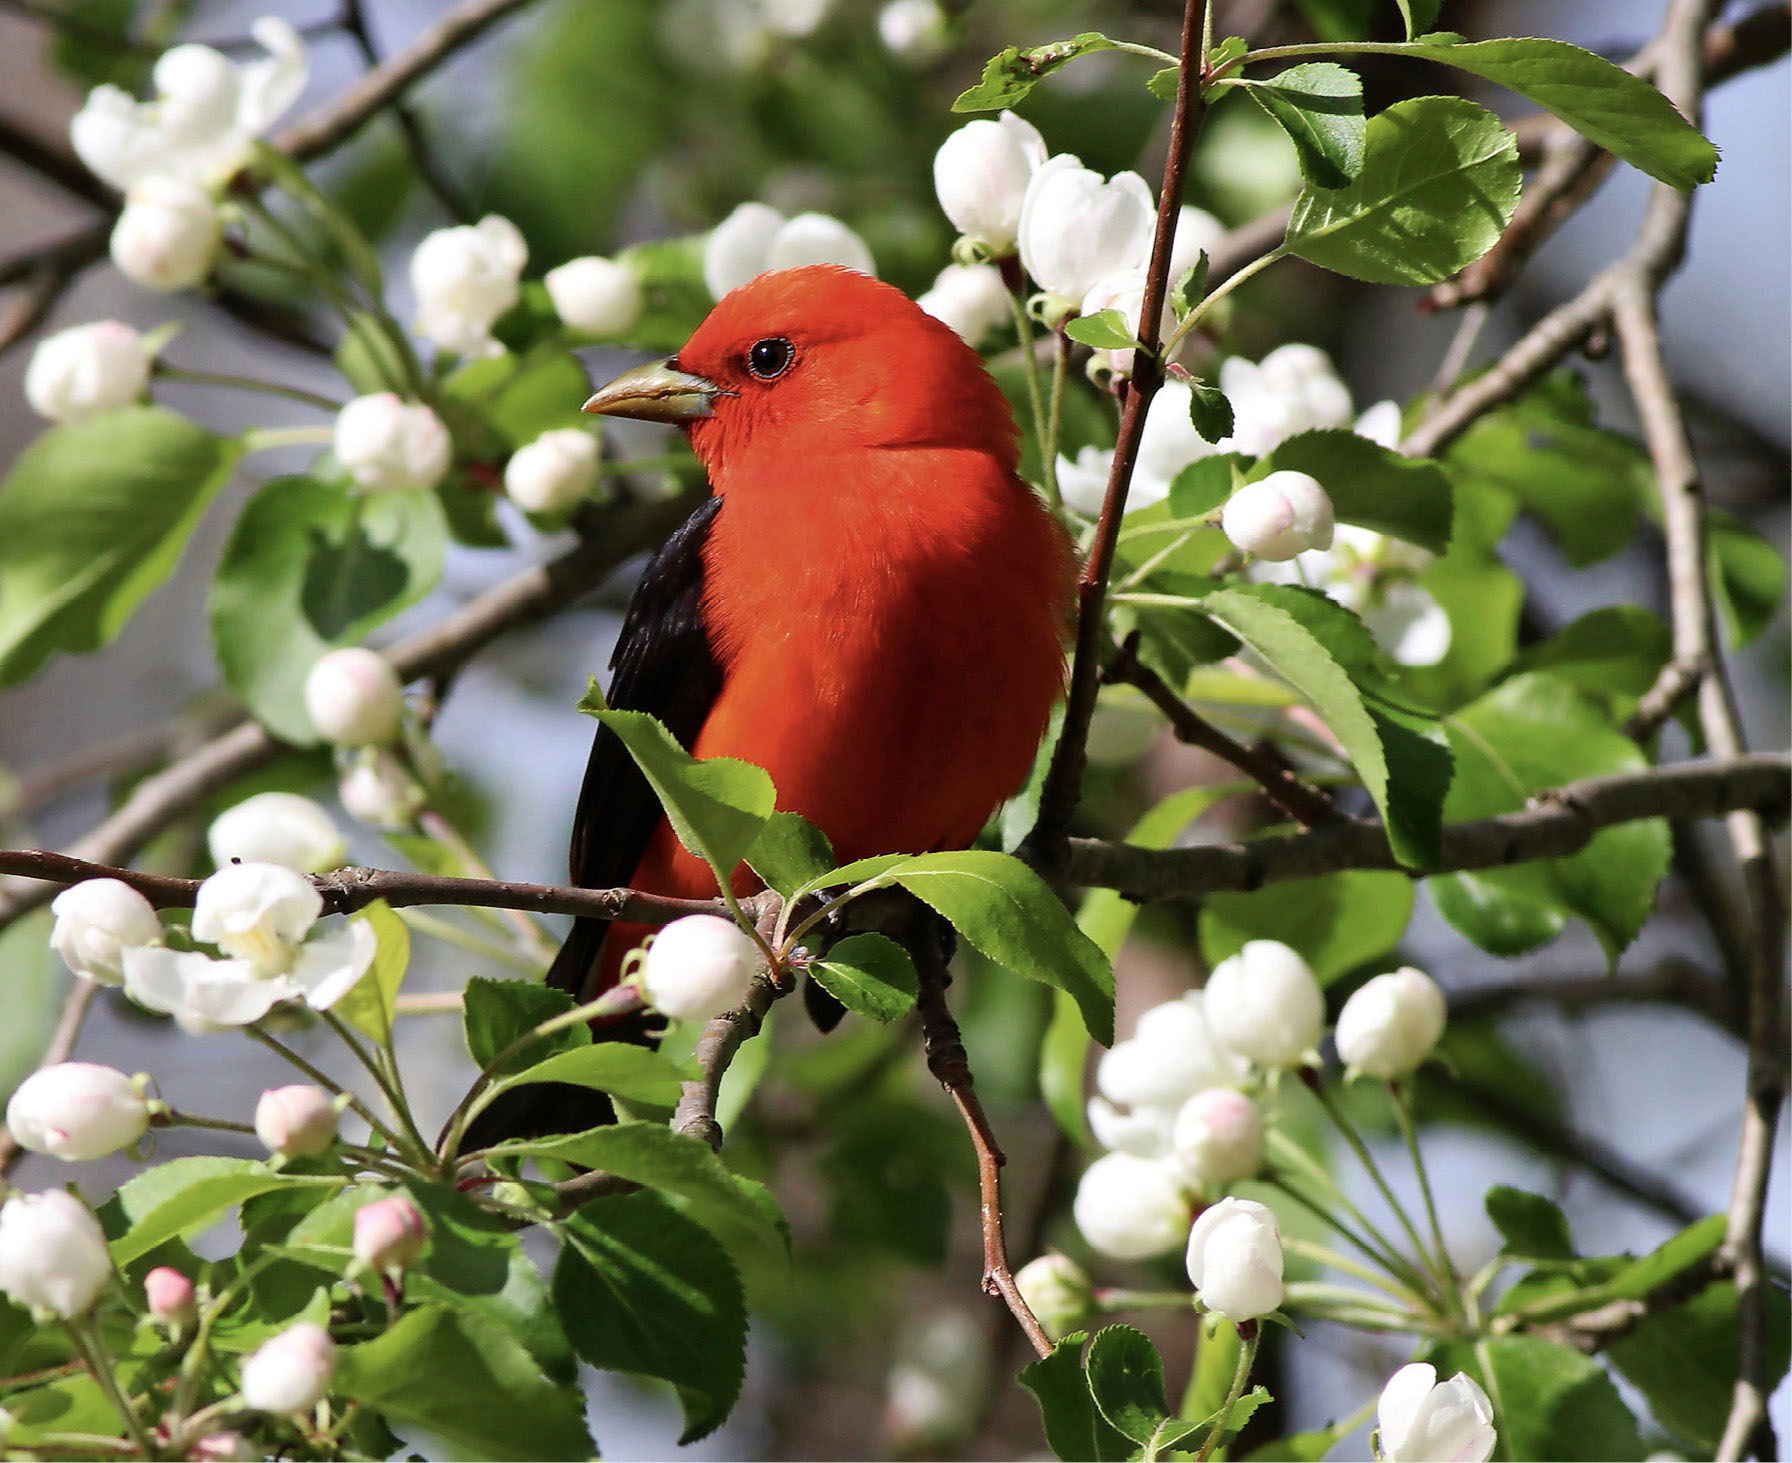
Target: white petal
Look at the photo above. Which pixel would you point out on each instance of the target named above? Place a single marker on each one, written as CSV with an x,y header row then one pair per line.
x,y
273,85
329,964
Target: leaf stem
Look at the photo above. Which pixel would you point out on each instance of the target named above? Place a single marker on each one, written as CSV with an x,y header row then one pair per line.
x,y
1247,1353
1401,1095
1048,467
1218,293
108,1383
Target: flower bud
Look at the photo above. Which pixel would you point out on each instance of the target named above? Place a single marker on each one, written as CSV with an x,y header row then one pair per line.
x,y
97,920
53,1255
1076,226
167,236
76,1111
915,30
276,828
389,445
1218,1137
1144,1132
465,277
553,472
1171,1055
260,913
735,250
170,1296
1057,1292
378,790
87,369
223,1447
1279,516
971,298
296,1121
1235,1259
1265,1004
1390,1023
817,238
698,967
1131,1208
1122,291
1420,1418
291,1372
981,174
389,1234
595,295
354,698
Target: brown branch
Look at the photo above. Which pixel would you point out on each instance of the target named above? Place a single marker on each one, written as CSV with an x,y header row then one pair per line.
x,y
695,1114
1044,844
127,755
1299,799
1554,825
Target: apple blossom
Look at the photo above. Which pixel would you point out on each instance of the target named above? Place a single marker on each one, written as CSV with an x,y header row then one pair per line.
x,y
1057,1292
354,697
296,1121
971,298
291,1372
97,920
169,1295
1420,1418
981,173
552,473
1172,1054
53,1255
1076,226
1131,1208
1291,390
1265,1005
698,967
465,277
276,828
595,295
167,237
1390,1023
1218,1137
76,1111
1279,516
389,445
1235,1259
389,1234
756,237
915,30
380,791
87,369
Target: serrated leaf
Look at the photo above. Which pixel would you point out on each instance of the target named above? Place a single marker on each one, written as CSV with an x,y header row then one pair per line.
x,y
1074,1429
717,807
1126,1379
93,516
1372,486
1162,84
311,566
1320,106
1556,1403
370,1002
1203,485
1010,74
645,1290
1191,286
1533,1227
447,1371
789,852
184,1196
1438,185
1210,411
1603,102
870,974
1105,330
494,1013
630,1072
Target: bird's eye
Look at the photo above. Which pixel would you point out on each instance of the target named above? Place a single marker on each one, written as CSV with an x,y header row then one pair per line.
x,y
770,358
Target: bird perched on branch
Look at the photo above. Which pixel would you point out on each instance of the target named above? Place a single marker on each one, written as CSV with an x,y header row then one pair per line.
x,y
871,605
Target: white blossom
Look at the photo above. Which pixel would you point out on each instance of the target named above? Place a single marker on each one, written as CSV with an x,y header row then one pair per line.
x,y
756,237
259,912
971,298
97,920
76,1111
276,828
1279,516
291,1372
1131,1208
203,120
1375,576
53,1256
167,237
87,369
1265,1004
1391,1023
915,30
379,790
698,967
295,1121
980,175
354,698
1083,481
1218,1137
1235,1259
1422,1420
1076,226
1291,390
390,445
595,295
465,277
1173,1053
552,473
1144,1131
1168,443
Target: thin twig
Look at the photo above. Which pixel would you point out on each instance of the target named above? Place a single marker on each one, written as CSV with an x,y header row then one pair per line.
x,y
723,1037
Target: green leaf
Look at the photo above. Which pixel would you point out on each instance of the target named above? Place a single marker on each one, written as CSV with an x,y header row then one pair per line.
x,y
1320,106
870,974
1615,652
467,1381
1009,75
1105,330
1439,181
789,852
1325,653
1532,733
369,1005
1533,1227
184,1196
1204,485
1126,1379
1748,576
717,807
1370,485
520,397
1209,411
1337,921
1673,1255
1073,1427
1417,15
1190,287
1010,915
1555,1403
645,1290
495,1013
310,566
631,1072
93,517
1603,102
736,1210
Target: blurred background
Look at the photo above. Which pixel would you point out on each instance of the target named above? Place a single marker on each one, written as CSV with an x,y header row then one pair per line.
x,y
596,123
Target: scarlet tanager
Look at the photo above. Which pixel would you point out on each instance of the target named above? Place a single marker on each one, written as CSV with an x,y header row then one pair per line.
x,y
871,605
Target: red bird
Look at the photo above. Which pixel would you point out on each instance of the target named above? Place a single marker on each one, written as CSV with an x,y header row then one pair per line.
x,y
871,605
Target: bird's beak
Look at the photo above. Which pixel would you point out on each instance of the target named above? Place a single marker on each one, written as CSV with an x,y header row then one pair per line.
x,y
656,392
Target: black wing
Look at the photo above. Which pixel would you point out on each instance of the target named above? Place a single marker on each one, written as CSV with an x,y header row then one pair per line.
x,y
666,666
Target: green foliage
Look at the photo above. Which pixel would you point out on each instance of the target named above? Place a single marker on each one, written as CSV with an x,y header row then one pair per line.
x,y
1438,184
1204,484
93,516
1370,485
1105,330
1556,1403
789,852
1338,922
1012,73
183,1197
1532,1227
1073,1426
368,1007
632,1073
496,1013
1319,104
870,974
1210,411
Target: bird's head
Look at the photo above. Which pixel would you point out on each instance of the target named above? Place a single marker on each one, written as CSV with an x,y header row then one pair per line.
x,y
819,359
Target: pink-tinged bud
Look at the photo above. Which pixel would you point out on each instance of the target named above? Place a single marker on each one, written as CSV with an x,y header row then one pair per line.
x,y
354,698
170,1296
223,1447
389,1234
77,1110
291,1372
1279,516
1218,1137
296,1121
53,1255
